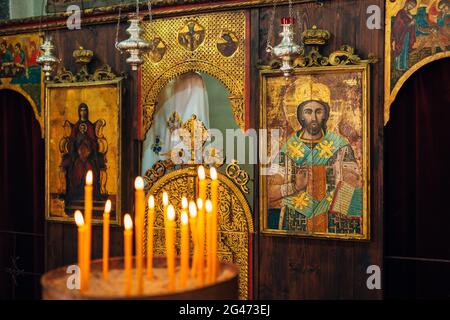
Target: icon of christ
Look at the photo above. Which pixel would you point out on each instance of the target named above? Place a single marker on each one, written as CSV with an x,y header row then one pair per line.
x,y
316,184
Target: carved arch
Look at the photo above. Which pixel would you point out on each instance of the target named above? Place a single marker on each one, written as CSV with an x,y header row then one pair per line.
x,y
391,97
236,96
235,219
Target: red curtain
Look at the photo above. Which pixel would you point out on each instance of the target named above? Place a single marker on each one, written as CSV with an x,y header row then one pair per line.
x,y
417,186
21,198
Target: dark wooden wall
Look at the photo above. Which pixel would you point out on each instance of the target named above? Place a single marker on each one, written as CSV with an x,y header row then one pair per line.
x,y
300,268
62,238
284,267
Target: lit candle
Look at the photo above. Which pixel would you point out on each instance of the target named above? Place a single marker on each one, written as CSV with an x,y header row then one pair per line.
x,y
165,200
170,246
184,203
184,249
214,228
201,242
81,248
150,226
88,217
128,242
193,223
139,205
202,183
209,209
106,239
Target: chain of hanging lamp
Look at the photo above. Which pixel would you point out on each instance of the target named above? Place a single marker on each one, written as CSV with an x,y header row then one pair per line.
x,y
287,49
47,60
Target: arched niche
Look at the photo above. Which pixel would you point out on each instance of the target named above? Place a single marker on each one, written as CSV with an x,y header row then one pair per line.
x,y
235,97
234,219
33,105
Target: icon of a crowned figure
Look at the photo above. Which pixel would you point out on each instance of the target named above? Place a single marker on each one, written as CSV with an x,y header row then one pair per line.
x,y
315,184
81,153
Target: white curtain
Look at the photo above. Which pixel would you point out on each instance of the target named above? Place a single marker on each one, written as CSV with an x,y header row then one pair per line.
x,y
185,95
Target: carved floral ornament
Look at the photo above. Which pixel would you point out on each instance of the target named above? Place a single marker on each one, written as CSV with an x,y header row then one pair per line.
x,y
314,38
83,57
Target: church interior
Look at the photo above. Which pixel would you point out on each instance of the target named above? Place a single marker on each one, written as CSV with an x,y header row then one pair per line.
x,y
224,150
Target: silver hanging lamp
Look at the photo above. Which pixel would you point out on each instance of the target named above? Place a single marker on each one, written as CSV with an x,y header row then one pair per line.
x,y
48,61
287,50
134,45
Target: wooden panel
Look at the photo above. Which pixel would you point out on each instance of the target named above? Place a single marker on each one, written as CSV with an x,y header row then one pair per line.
x,y
284,268
299,268
62,238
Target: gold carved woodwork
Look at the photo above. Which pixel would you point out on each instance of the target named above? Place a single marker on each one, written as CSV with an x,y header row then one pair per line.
x,y
83,57
315,38
103,73
235,220
191,44
239,176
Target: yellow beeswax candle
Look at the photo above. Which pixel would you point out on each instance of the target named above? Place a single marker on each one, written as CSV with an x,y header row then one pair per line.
x,y
106,218
139,212
81,248
150,230
184,268
170,246
128,243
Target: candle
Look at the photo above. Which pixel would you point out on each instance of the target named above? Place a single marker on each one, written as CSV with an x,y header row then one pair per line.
x,y
214,227
184,203
106,239
165,199
128,235
209,209
184,249
201,242
88,217
81,248
193,223
139,205
150,226
202,183
170,245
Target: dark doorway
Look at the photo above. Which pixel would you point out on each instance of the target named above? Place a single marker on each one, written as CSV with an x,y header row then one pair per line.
x,y
417,187
21,199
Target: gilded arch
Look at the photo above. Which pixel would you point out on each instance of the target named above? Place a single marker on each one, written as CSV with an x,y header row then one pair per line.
x,y
236,98
419,52
235,219
170,58
27,96
391,98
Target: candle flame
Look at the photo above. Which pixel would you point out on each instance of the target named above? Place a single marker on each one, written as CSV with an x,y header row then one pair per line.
x,y
108,206
208,206
89,178
128,222
151,201
139,183
199,204
213,173
184,203
184,218
201,173
171,213
192,209
165,198
79,218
